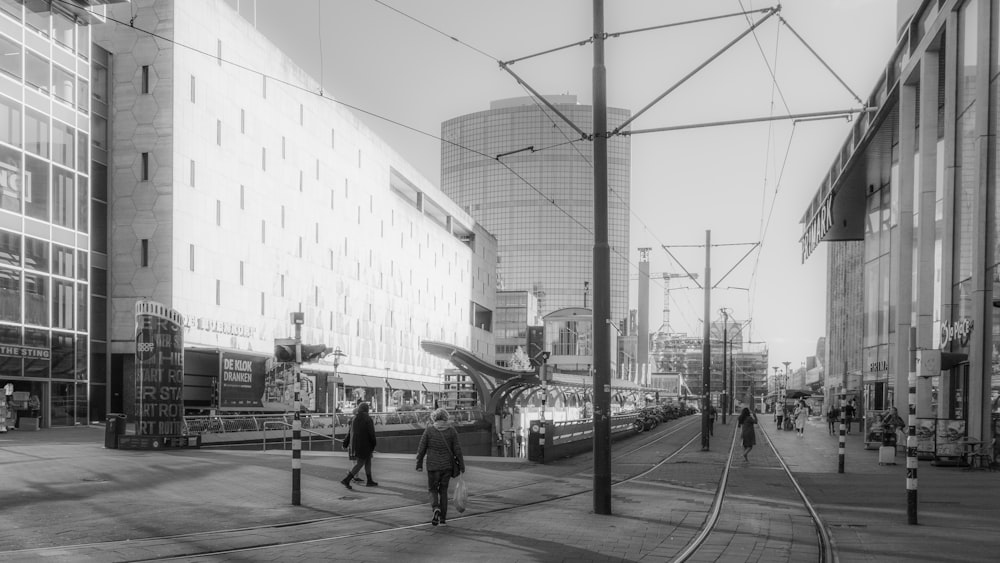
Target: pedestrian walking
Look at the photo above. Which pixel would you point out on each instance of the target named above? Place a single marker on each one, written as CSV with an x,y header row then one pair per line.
x,y
712,412
779,414
746,421
850,410
362,442
799,416
439,444
832,416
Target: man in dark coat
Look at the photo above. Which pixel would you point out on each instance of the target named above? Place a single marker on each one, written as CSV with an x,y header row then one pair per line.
x,y
363,443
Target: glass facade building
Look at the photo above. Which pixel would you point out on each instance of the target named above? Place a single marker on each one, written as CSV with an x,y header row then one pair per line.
x,y
539,203
46,228
910,204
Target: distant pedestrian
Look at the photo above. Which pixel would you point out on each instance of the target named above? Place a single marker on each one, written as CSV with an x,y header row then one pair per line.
x,y
832,416
892,423
712,412
800,415
362,441
779,414
439,444
746,421
850,411
520,441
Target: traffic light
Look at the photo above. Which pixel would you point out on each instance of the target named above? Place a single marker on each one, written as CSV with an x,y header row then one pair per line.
x,y
284,350
311,352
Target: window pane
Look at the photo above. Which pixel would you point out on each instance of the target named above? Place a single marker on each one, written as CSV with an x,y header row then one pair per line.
x,y
36,299
99,174
36,196
36,254
62,85
63,362
81,307
36,71
99,128
37,15
62,260
63,198
63,144
83,41
99,230
82,205
10,248
10,121
36,130
82,94
10,57
12,7
63,31
10,295
81,270
11,179
62,304
82,143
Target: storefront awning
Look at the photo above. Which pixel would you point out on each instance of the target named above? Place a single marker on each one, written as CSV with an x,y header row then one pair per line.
x,y
433,387
404,384
354,380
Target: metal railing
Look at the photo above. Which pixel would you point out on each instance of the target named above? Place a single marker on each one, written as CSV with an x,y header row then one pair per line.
x,y
223,424
285,427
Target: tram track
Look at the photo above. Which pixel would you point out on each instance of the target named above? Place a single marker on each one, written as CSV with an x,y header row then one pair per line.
x,y
638,465
718,536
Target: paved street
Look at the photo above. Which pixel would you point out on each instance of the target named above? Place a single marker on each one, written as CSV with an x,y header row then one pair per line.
x,y
64,489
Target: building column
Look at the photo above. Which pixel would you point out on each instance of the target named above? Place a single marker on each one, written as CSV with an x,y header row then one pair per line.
x,y
902,236
926,217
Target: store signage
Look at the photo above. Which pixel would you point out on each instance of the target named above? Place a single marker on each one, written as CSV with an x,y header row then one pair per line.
x,y
26,352
159,370
241,384
879,366
217,326
818,227
958,330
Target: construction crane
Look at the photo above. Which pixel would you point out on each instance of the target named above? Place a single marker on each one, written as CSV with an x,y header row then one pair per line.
x,y
665,327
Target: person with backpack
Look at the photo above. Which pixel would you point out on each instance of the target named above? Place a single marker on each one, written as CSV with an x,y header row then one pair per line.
x,y
439,445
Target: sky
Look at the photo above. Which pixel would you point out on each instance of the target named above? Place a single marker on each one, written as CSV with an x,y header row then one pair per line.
x,y
417,64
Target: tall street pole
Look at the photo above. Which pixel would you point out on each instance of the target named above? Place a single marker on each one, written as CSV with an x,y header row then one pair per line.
x,y
706,346
602,278
725,339
297,319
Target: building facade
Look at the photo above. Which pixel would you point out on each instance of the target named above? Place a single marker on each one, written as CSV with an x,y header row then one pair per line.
x,y
915,184
239,195
47,80
516,312
537,196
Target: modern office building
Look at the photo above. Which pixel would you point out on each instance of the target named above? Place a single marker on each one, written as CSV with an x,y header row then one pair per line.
x,y
516,313
537,196
911,201
47,231
239,195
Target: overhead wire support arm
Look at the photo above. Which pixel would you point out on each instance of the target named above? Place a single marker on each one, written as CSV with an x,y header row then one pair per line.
x,y
687,22
740,261
693,277
810,116
748,31
820,59
553,50
508,153
548,104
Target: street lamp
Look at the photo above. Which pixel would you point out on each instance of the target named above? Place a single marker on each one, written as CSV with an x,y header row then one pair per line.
x,y
337,355
785,382
776,387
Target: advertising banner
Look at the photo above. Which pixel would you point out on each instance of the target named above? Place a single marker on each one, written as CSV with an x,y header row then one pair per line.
x,y
159,370
242,383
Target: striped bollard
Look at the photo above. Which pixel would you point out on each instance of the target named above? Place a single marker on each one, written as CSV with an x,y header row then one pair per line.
x,y
911,452
841,441
296,445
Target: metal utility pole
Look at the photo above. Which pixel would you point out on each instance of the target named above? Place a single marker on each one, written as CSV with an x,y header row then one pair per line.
x,y
725,339
706,346
602,278
297,319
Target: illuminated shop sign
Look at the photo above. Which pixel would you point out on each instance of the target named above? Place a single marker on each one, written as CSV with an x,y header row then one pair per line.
x,y
818,227
958,330
217,326
26,352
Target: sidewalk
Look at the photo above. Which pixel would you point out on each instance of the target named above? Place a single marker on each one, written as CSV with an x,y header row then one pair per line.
x,y
63,488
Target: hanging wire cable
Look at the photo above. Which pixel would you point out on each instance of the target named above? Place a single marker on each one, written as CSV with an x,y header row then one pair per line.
x,y
319,37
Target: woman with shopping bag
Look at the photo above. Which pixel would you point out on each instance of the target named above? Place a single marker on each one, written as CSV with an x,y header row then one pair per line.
x,y
439,444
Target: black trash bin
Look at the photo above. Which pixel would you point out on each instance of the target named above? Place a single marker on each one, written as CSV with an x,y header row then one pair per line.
x,y
114,428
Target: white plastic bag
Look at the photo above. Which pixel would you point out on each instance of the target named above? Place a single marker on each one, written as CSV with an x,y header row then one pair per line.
x,y
461,493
